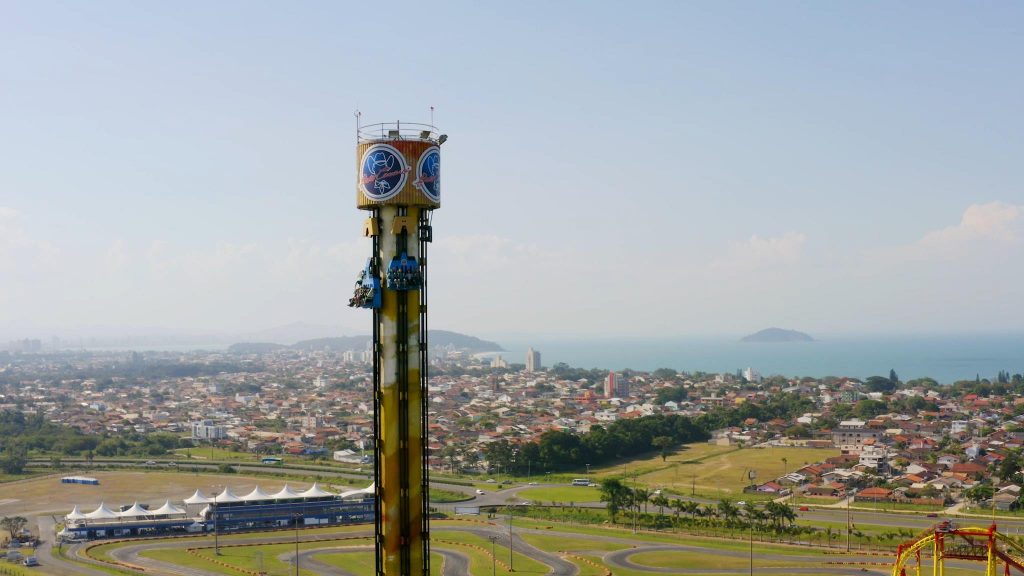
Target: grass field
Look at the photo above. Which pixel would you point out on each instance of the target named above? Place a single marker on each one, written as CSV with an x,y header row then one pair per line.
x,y
48,496
561,494
723,472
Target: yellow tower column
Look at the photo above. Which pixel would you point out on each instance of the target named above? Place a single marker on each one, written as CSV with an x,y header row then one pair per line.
x,y
398,180
400,445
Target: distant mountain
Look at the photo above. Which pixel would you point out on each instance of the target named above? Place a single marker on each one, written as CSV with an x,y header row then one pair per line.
x,y
336,343
777,335
254,347
342,343
292,333
463,342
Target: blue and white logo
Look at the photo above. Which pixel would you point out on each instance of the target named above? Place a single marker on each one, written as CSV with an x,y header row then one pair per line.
x,y
428,174
383,172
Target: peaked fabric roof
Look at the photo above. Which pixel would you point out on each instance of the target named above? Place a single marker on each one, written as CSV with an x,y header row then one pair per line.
x,y
256,494
198,498
135,510
285,493
167,509
102,513
226,496
358,492
75,514
315,491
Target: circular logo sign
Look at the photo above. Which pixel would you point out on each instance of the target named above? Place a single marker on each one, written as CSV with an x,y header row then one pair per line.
x,y
428,174
383,172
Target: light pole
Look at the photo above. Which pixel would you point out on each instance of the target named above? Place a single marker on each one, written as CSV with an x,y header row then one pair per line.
x,y
849,530
636,505
510,568
588,471
216,540
494,559
751,549
297,516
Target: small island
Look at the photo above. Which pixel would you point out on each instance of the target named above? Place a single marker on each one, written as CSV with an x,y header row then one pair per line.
x,y
777,335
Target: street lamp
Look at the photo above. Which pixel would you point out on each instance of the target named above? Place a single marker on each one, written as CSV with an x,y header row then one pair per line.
x,y
588,471
751,549
216,540
494,559
849,526
297,516
510,568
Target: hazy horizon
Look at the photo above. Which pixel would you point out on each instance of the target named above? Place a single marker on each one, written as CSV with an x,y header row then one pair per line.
x,y
686,169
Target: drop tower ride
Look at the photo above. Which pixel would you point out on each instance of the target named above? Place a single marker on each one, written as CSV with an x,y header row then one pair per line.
x,y
399,183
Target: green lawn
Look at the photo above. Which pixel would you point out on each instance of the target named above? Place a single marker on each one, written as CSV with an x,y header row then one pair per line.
x,y
723,473
561,494
362,562
439,495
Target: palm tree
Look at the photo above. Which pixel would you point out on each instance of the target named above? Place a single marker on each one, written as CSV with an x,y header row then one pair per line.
x,y
691,508
661,501
678,505
728,510
641,495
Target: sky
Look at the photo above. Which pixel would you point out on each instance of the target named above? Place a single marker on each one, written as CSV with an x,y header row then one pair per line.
x,y
636,169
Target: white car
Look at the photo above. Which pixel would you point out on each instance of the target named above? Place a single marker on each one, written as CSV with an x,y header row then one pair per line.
x,y
533,483
480,492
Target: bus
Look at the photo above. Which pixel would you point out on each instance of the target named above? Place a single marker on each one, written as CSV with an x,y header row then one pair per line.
x,y
581,482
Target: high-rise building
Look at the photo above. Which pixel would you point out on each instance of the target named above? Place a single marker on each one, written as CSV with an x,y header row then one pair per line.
x,y
532,360
609,385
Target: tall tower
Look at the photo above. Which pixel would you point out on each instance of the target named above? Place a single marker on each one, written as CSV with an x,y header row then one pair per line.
x,y
532,360
399,183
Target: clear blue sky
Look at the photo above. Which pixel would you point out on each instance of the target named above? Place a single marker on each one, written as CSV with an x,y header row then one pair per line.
x,y
639,168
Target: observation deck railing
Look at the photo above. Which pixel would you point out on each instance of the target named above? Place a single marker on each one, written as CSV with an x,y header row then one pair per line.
x,y
398,131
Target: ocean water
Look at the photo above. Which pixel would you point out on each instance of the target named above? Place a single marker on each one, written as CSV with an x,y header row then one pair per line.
x,y
944,358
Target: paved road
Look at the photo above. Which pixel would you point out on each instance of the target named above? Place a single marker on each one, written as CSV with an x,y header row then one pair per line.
x,y
49,562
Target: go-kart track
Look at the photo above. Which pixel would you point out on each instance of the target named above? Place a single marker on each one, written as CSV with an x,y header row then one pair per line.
x,y
585,553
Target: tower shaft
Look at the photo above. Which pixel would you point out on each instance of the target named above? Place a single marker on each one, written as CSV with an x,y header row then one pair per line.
x,y
399,402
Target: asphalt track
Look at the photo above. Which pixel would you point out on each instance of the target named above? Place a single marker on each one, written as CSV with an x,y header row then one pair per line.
x,y
457,563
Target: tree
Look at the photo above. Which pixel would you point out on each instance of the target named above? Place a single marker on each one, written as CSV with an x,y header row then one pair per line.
x,y
979,493
615,494
1009,467
13,524
641,495
13,460
662,443
661,501
727,510
893,377
880,384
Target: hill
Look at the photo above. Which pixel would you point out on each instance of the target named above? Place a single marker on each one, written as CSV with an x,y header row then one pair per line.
x,y
777,335
254,347
341,343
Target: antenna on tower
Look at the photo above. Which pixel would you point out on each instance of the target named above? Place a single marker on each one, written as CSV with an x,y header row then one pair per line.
x,y
431,116
359,116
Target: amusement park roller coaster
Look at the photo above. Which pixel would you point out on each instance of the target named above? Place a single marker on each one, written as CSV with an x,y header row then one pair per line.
x,y
947,541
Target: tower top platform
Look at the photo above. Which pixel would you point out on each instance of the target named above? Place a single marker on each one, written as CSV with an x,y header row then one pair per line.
x,y
398,130
398,164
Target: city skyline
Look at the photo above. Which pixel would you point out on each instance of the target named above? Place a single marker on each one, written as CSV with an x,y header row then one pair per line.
x,y
825,168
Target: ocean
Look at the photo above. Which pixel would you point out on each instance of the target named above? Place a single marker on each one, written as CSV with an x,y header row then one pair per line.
x,y
944,358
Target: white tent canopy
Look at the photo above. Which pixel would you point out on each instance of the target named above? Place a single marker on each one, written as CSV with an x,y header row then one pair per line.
x,y
135,511
102,513
226,496
198,498
285,493
75,514
315,491
360,492
256,494
168,509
